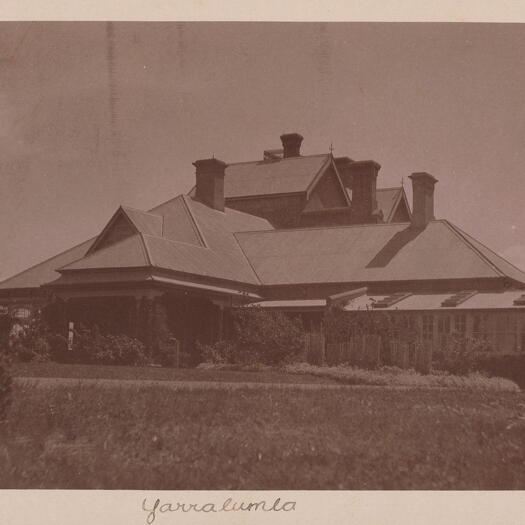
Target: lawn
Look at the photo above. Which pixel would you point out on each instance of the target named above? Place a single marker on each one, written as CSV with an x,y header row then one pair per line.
x,y
87,437
57,370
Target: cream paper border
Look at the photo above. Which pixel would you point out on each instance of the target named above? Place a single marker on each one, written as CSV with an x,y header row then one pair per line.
x,y
268,10
62,507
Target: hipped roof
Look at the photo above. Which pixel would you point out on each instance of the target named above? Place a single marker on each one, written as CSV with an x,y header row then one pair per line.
x,y
237,247
371,253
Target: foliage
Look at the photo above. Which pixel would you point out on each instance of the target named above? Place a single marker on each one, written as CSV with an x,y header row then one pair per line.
x,y
392,376
459,354
259,336
158,438
92,347
511,366
5,383
340,326
30,342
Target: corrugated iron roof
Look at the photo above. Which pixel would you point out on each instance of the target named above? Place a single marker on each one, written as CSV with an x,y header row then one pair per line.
x,y
45,271
218,255
145,222
365,253
433,302
271,177
292,303
127,253
287,175
184,221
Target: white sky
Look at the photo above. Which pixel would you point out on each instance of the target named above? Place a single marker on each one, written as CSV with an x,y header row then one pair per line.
x,y
78,138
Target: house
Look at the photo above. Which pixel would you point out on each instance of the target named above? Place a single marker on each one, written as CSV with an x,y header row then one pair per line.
x,y
288,231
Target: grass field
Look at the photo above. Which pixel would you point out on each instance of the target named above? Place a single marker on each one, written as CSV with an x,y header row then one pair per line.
x,y
366,438
57,370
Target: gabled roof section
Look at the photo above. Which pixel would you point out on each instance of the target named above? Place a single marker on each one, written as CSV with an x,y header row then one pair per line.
x,y
124,223
388,200
315,181
368,253
272,177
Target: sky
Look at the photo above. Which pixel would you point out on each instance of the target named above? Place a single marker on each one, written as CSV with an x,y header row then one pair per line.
x,y
94,115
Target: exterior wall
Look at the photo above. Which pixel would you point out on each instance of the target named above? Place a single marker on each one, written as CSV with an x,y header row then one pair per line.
x,y
282,211
334,217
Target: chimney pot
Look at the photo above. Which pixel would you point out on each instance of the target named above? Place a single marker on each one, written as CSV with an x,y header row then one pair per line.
x,y
209,187
291,144
422,198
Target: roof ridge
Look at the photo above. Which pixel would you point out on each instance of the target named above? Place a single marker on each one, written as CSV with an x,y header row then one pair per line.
x,y
337,227
145,250
194,221
139,210
259,280
276,160
166,202
461,234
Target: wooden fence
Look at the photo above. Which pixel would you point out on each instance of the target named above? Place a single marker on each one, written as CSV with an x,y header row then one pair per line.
x,y
367,351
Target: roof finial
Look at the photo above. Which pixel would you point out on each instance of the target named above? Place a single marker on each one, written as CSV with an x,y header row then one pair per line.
x,y
402,182
331,149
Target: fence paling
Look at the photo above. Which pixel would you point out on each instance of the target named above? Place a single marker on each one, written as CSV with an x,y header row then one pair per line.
x,y
315,348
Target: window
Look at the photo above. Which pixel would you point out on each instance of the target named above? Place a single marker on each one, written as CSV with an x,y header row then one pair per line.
x,y
428,328
460,323
443,329
21,313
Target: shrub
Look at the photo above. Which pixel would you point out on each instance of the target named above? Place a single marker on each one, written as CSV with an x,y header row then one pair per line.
x,y
392,376
511,366
459,355
5,384
92,347
259,336
30,341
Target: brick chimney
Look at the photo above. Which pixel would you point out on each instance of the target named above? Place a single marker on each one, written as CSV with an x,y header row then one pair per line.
x,y
291,144
363,175
422,199
343,167
209,189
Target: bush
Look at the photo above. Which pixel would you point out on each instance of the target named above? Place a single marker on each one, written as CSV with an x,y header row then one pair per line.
x,y
259,336
460,355
392,376
30,341
511,366
92,347
5,384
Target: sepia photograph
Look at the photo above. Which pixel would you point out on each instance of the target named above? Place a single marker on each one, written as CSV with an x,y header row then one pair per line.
x,y
261,256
